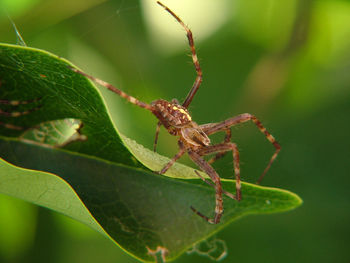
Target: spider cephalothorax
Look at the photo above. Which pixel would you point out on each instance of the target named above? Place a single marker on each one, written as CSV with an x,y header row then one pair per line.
x,y
177,120
193,138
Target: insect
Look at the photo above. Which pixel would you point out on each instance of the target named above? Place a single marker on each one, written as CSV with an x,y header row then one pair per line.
x,y
193,138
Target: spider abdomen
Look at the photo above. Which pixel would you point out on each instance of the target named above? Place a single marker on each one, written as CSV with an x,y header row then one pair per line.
x,y
171,114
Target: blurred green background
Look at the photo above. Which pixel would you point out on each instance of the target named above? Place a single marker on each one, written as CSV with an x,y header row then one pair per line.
x,y
287,62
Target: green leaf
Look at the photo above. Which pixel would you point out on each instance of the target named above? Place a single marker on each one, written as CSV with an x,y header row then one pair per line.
x,y
98,176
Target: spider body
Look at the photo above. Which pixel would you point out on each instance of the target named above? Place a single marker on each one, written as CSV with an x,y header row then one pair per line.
x,y
193,138
171,114
177,120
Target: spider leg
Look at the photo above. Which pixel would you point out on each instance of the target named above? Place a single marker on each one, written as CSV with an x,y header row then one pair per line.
x,y
174,159
222,154
224,125
225,147
122,94
212,185
218,188
156,137
227,139
198,80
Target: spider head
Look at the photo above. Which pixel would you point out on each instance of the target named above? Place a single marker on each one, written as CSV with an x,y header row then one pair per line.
x,y
178,121
194,135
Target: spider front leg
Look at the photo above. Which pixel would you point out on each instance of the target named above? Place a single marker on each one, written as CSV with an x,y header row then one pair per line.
x,y
223,126
174,159
195,61
222,154
224,148
212,185
227,139
205,167
114,89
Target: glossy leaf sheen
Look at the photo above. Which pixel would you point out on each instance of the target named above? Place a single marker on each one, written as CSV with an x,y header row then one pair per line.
x,y
106,181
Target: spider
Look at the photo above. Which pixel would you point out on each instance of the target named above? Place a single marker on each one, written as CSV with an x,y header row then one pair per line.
x,y
193,138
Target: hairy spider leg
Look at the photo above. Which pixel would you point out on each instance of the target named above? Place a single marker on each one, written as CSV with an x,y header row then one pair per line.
x,y
122,94
209,170
213,185
196,157
227,139
226,147
181,152
221,154
178,156
224,125
198,79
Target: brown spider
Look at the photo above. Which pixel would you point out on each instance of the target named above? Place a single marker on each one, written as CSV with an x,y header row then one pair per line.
x,y
193,138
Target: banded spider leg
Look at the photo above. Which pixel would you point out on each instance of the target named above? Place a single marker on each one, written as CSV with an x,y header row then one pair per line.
x,y
197,67
225,126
